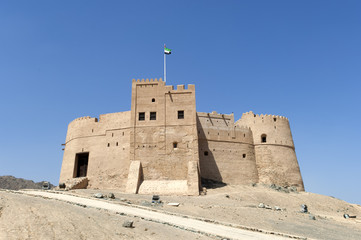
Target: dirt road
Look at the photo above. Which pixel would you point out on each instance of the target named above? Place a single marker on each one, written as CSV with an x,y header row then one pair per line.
x,y
185,223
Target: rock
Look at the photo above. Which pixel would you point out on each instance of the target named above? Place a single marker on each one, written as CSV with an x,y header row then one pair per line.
x,y
98,195
348,216
277,208
267,207
111,195
123,199
261,205
304,208
173,204
61,185
227,196
128,224
312,217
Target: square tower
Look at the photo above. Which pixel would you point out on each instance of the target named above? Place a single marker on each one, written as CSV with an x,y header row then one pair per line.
x,y
163,138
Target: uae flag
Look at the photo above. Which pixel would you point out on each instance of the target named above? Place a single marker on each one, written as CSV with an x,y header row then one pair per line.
x,y
167,50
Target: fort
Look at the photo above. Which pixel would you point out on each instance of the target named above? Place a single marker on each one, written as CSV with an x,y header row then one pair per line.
x,y
163,145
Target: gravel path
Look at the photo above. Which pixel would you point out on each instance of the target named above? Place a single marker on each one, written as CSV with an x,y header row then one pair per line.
x,y
185,223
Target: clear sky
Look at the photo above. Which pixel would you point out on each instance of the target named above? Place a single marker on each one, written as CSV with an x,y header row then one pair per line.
x,y
60,60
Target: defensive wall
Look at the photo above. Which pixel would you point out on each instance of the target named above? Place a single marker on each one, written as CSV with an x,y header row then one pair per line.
x,y
226,151
274,149
162,145
164,136
106,141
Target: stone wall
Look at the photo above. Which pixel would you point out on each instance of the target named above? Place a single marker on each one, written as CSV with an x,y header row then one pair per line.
x,y
275,152
226,151
107,142
164,146
162,141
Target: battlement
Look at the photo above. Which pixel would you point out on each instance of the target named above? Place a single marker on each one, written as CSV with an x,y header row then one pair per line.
x,y
266,117
145,81
180,88
86,118
214,114
160,82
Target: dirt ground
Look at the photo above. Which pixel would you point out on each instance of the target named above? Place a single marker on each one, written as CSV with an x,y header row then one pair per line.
x,y
24,217
239,205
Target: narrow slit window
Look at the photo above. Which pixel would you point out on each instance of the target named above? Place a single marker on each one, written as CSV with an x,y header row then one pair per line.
x,y
153,116
181,114
141,116
264,138
175,145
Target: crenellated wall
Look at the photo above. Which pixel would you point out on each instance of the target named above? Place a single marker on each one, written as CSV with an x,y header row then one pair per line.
x,y
162,145
226,151
107,142
153,141
275,152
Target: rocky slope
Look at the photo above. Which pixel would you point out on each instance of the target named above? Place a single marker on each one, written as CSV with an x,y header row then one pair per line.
x,y
13,183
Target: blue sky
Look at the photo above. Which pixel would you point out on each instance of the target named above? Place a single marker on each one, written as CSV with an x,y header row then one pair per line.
x,y
60,60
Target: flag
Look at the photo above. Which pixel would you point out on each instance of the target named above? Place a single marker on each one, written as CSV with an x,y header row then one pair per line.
x,y
167,50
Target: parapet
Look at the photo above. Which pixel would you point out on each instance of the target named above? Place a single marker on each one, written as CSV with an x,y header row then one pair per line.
x,y
86,118
144,81
214,114
249,117
160,82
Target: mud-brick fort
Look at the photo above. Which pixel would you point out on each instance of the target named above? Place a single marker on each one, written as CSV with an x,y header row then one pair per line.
x,y
163,145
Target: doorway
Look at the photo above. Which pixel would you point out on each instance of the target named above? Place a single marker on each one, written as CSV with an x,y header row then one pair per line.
x,y
81,164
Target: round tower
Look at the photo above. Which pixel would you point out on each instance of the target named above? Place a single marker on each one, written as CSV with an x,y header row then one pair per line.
x,y
274,148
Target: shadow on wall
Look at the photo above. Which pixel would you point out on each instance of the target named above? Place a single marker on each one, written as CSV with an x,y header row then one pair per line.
x,y
210,174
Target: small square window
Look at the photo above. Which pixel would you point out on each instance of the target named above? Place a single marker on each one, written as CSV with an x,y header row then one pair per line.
x,y
205,153
153,116
153,99
244,155
175,145
141,116
181,114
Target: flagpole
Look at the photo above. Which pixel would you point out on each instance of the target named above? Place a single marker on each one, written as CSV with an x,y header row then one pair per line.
x,y
165,67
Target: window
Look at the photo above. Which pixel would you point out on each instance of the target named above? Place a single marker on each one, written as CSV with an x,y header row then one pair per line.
x,y
264,138
205,153
153,99
141,116
244,155
175,145
181,114
153,116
